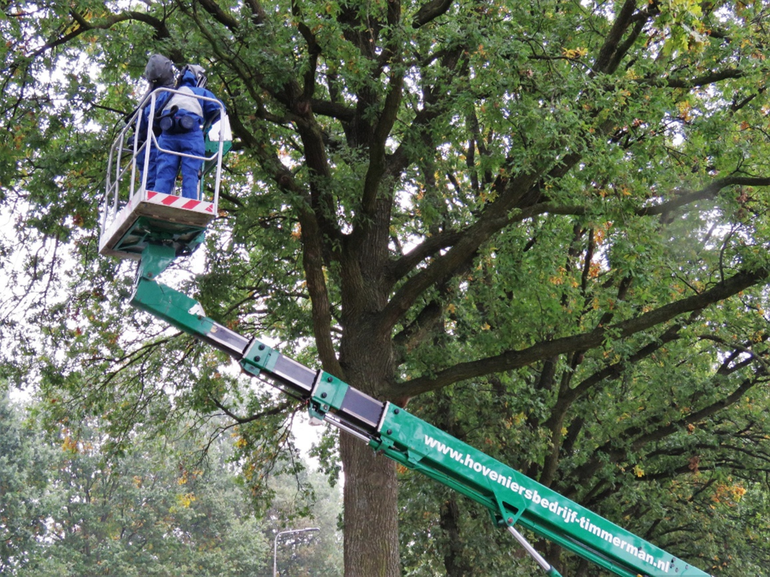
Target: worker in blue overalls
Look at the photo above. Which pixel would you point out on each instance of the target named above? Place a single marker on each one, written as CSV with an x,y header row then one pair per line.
x,y
182,120
159,73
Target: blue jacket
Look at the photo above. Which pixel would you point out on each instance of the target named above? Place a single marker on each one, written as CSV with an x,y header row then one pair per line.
x,y
204,112
183,105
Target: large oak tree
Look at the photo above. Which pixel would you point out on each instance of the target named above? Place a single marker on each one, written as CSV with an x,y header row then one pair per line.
x,y
560,206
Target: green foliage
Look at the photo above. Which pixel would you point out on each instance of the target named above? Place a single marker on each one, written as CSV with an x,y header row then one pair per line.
x,y
68,511
23,480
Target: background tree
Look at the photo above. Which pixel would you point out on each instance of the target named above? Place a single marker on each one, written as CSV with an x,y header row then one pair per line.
x,y
306,501
553,213
23,480
150,512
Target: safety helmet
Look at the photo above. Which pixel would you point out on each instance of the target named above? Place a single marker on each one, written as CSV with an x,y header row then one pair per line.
x,y
159,71
198,72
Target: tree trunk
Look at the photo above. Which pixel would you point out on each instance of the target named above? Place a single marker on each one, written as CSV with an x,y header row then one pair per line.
x,y
371,490
371,511
456,563
366,358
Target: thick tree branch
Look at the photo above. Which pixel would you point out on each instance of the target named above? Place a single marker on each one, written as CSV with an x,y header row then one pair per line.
x,y
277,410
430,11
382,130
313,265
313,49
608,51
336,110
85,25
422,328
693,418
257,11
706,193
680,199
543,350
698,81
219,14
431,246
313,251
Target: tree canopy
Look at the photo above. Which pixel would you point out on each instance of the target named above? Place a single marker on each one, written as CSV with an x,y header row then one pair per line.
x,y
161,508
146,513
544,223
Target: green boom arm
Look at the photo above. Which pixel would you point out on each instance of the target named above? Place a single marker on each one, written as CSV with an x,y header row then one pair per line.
x,y
511,497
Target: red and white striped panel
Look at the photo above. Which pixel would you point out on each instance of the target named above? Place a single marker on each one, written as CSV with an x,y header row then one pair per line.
x,y
179,202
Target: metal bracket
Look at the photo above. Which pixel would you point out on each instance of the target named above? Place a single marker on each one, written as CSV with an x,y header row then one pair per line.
x,y
155,259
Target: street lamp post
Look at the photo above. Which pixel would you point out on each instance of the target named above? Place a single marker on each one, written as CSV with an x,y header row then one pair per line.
x,y
275,544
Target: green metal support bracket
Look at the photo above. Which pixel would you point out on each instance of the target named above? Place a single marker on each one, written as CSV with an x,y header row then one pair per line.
x,y
176,308
259,358
172,306
328,395
155,259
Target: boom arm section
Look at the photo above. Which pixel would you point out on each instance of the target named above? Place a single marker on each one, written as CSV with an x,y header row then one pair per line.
x,y
511,497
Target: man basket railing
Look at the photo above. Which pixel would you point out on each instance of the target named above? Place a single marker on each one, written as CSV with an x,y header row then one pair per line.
x,y
133,215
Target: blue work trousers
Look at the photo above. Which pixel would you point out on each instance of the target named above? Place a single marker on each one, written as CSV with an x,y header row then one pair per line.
x,y
168,165
152,166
